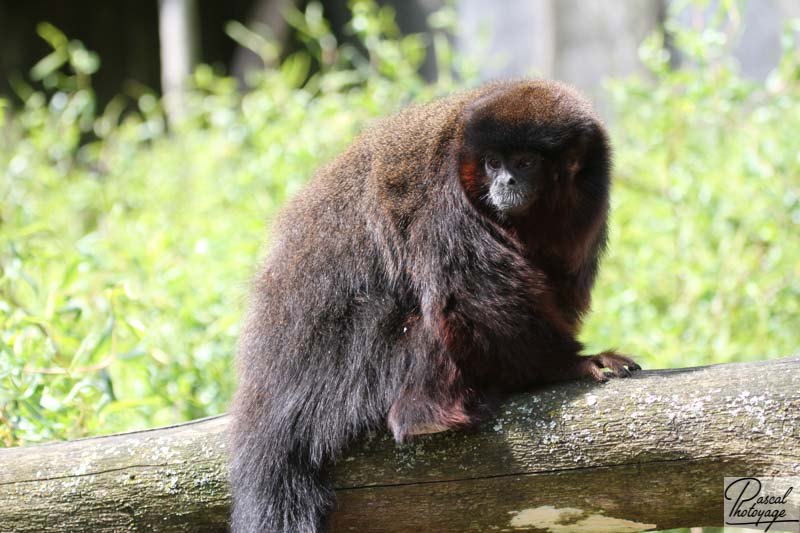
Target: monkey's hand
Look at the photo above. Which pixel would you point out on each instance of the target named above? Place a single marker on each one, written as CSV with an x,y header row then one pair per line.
x,y
618,366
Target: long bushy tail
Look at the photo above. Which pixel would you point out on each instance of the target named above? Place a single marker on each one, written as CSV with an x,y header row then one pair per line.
x,y
277,487
293,415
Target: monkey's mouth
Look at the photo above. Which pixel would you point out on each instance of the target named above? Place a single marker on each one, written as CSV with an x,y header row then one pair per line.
x,y
511,200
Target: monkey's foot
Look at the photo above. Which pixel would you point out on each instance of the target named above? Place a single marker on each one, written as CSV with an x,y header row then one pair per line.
x,y
402,432
618,366
416,414
425,429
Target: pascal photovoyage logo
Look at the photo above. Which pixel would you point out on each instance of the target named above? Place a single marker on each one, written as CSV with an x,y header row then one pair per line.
x,y
765,503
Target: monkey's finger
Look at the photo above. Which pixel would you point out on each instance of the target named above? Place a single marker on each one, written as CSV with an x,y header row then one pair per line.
x,y
611,357
615,363
590,367
616,368
620,371
627,361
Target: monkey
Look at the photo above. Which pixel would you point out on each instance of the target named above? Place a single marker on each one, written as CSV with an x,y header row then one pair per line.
x,y
443,261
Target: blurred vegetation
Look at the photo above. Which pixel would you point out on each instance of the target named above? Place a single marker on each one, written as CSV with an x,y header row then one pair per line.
x,y
126,250
704,262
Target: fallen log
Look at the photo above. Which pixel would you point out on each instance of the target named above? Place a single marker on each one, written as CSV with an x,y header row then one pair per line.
x,y
648,452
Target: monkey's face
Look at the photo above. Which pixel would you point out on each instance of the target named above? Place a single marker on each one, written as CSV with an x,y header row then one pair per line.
x,y
534,151
514,180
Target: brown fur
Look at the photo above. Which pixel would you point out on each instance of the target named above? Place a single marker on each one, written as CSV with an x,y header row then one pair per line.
x,y
395,293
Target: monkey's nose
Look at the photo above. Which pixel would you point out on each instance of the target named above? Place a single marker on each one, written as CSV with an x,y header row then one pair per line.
x,y
506,179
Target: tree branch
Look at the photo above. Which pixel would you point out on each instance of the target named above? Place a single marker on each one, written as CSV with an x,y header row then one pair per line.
x,y
641,453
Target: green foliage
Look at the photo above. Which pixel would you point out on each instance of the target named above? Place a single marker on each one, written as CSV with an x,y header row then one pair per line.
x,y
704,263
126,250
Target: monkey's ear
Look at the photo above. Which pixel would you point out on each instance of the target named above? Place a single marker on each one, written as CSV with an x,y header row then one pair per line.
x,y
574,156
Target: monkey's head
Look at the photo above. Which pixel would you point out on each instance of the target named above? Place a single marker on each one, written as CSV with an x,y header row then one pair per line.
x,y
533,146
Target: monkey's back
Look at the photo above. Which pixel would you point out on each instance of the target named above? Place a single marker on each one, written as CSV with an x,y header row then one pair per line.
x,y
329,300
332,237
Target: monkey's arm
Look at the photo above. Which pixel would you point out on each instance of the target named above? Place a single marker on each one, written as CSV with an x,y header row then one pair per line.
x,y
492,320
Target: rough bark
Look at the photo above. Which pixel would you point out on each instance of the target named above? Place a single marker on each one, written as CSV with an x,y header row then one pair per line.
x,y
642,453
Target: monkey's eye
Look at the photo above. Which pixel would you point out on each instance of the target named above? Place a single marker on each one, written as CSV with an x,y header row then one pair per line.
x,y
493,163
